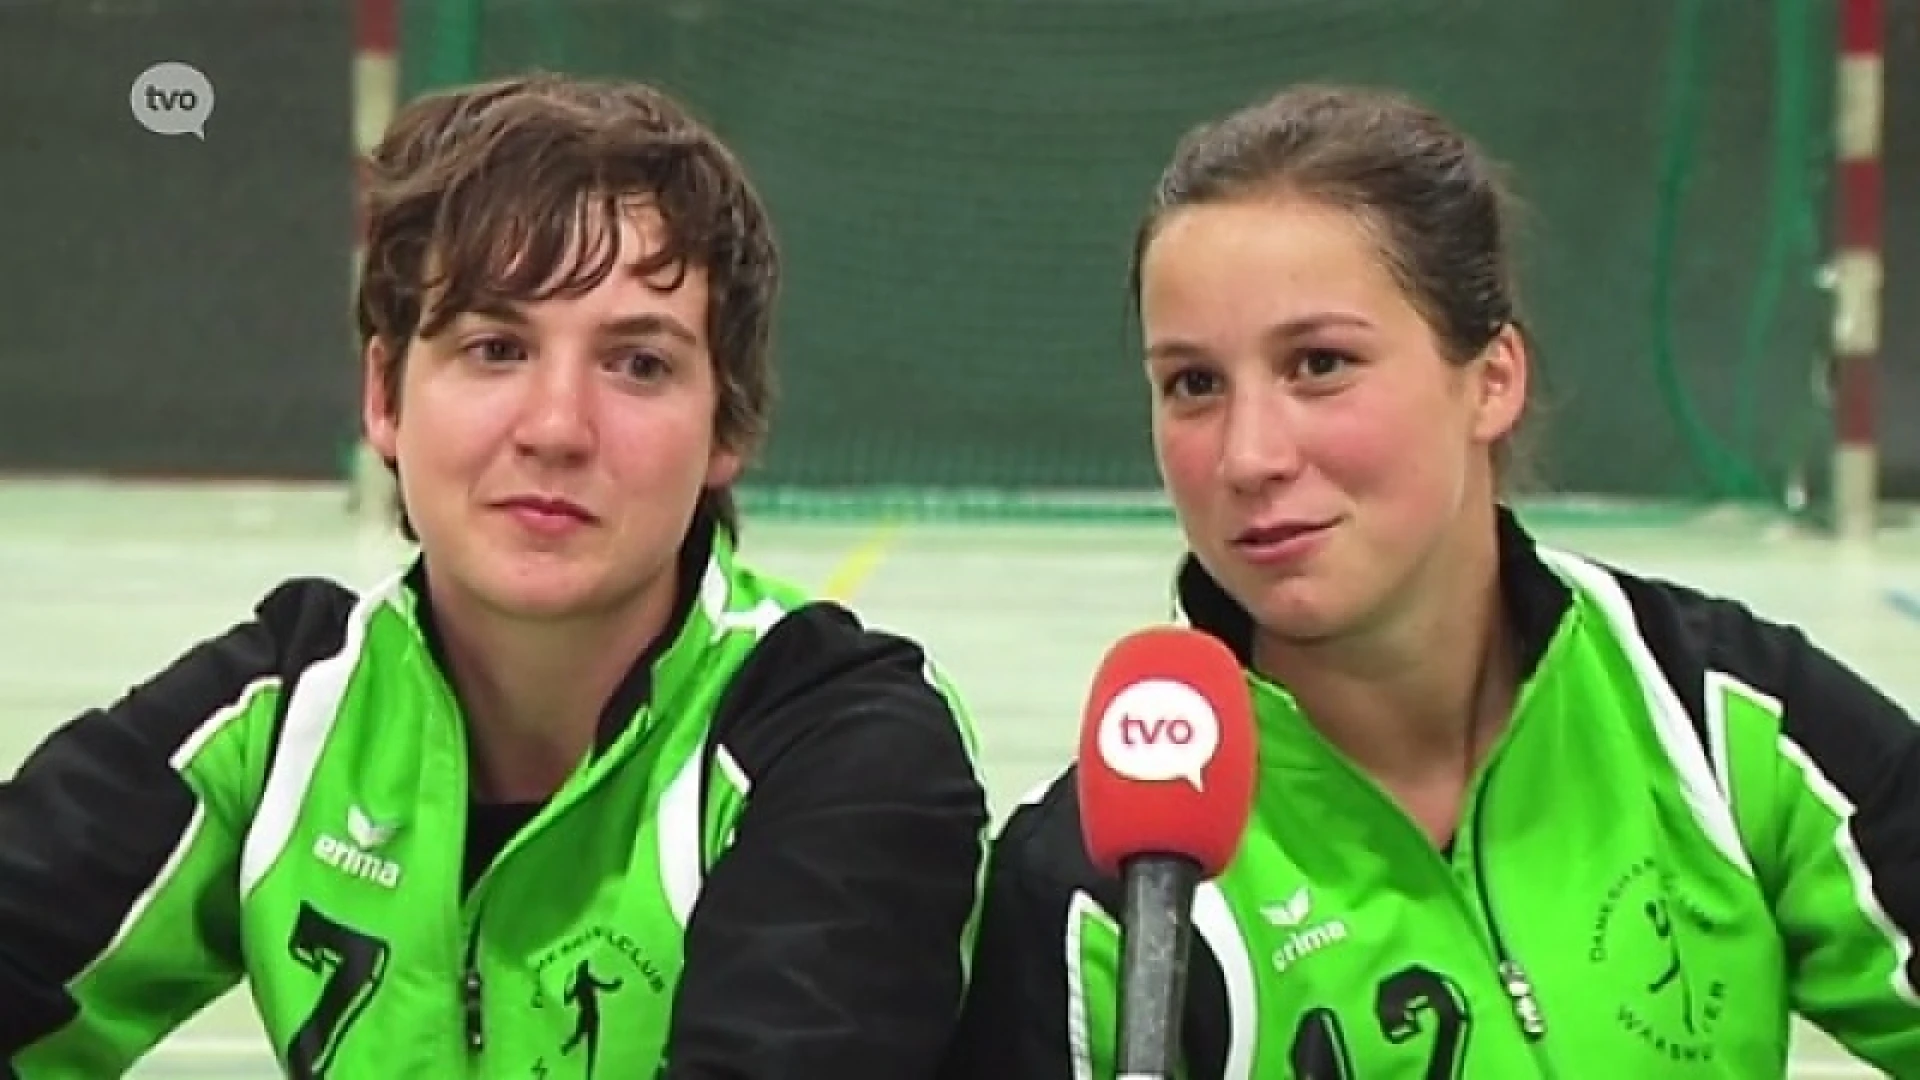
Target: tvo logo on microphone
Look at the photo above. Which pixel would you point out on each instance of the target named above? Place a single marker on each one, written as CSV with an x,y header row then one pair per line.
x,y
1158,730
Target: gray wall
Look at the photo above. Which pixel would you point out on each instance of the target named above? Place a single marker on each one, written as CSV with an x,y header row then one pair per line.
x,y
175,306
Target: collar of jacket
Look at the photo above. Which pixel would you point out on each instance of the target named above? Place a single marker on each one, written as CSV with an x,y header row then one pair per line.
x,y
707,553
1536,598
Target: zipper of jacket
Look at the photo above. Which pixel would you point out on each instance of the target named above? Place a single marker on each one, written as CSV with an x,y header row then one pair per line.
x,y
1513,976
472,987
472,991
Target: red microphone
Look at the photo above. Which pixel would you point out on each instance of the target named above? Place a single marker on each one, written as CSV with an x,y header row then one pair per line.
x,y
1165,780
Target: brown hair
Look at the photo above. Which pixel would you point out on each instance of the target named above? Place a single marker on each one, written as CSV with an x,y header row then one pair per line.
x,y
510,192
1433,199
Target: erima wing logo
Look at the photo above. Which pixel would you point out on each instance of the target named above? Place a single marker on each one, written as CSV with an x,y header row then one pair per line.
x,y
355,856
714,596
363,831
1291,912
1292,915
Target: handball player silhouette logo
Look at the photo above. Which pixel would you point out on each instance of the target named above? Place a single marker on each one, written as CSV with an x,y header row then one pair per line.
x,y
1165,777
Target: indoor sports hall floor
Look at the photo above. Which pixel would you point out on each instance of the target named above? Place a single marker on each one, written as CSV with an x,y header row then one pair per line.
x,y
99,586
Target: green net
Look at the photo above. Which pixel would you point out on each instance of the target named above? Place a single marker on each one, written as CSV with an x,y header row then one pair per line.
x,y
956,185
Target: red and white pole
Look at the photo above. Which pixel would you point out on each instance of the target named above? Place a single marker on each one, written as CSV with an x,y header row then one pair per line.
x,y
1857,268
376,95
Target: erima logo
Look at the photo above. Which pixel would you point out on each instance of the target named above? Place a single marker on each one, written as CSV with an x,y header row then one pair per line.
x,y
356,857
1293,912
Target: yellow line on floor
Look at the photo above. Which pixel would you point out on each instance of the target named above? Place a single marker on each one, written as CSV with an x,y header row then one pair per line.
x,y
859,564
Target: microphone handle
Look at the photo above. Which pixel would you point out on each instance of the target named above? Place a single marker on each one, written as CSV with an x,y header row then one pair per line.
x,y
1155,934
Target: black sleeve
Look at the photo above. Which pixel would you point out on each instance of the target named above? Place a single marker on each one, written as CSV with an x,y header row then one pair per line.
x,y
1021,1017
1015,1020
119,845
829,940
90,825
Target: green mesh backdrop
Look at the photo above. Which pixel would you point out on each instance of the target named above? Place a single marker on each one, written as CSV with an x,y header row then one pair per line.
x,y
956,184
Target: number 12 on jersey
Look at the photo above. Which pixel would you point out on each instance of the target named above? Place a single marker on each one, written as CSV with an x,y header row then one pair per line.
x,y
1410,1004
